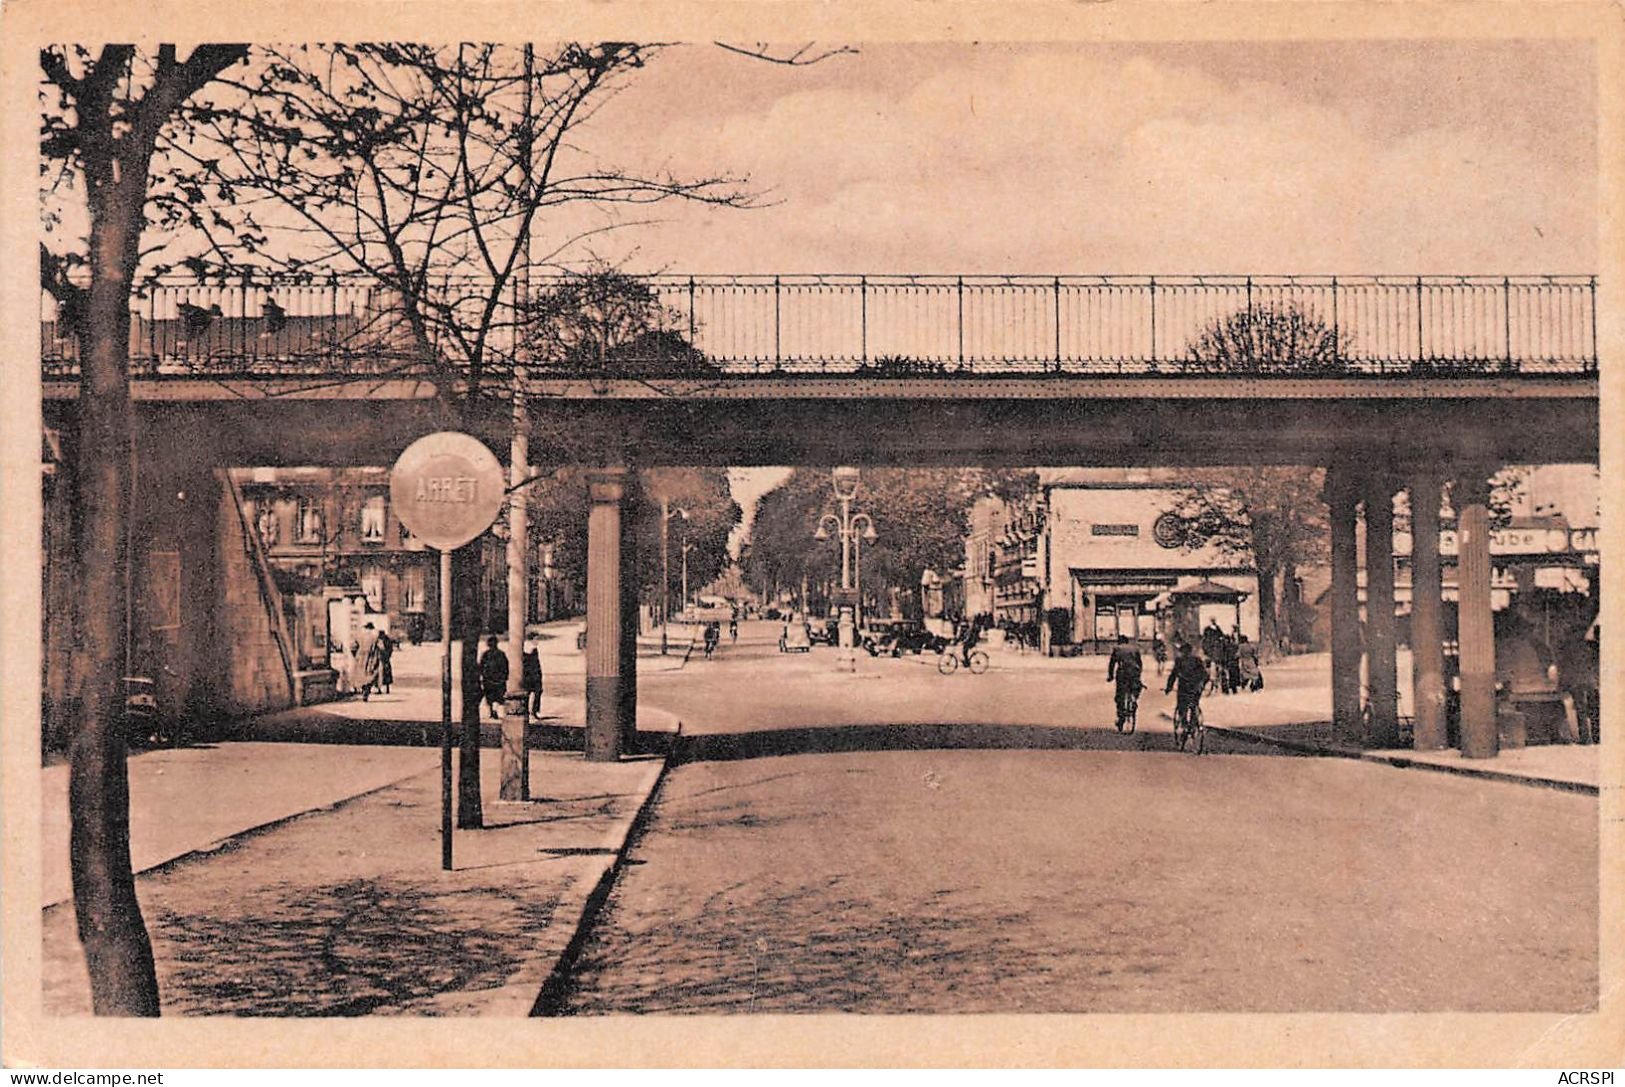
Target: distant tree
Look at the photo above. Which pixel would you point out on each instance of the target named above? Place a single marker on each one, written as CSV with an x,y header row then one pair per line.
x,y
558,513
920,517
1266,338
609,323
1276,517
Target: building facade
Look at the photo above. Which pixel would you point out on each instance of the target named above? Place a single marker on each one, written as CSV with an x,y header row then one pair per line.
x,y
1098,553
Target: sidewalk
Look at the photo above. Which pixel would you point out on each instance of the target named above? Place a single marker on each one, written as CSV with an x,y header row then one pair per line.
x,y
1293,712
344,910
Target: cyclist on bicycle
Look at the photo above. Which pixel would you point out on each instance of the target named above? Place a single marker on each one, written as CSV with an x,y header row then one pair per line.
x,y
1125,666
1190,674
973,634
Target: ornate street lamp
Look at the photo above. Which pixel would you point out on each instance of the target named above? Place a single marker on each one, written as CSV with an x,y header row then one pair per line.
x,y
846,527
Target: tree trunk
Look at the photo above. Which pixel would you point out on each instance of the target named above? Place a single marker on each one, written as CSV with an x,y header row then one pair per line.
x,y
1267,624
118,952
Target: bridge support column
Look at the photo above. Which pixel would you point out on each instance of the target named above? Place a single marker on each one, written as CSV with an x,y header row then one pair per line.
x,y
606,694
627,713
1381,642
1427,627
1342,496
1480,738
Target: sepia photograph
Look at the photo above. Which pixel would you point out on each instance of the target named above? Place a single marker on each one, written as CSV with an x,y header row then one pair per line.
x,y
769,522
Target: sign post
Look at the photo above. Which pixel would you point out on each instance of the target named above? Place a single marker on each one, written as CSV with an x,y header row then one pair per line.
x,y
446,488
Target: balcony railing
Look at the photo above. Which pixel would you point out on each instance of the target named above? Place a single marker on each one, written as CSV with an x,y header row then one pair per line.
x,y
914,326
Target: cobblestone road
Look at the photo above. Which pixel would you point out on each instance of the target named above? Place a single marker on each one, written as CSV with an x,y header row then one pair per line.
x,y
1118,877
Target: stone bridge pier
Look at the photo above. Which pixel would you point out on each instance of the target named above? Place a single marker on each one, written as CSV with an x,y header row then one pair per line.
x,y
1366,713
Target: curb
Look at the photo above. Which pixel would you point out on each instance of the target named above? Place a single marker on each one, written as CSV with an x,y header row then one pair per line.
x,y
1404,762
549,1002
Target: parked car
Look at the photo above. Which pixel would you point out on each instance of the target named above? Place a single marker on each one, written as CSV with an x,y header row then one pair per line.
x,y
824,631
904,636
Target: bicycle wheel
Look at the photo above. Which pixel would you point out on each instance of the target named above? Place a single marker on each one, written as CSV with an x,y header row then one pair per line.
x,y
1200,730
1133,708
1181,733
978,662
947,663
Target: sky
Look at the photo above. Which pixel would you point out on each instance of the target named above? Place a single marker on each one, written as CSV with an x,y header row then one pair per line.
x,y
1313,158
1225,157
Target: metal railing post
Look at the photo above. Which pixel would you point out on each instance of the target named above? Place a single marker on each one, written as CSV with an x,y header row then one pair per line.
x,y
1594,358
778,357
1153,322
1506,320
863,317
961,293
1337,334
1419,346
1057,290
691,311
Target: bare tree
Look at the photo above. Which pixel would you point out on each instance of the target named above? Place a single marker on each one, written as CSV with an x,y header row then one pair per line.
x,y
103,118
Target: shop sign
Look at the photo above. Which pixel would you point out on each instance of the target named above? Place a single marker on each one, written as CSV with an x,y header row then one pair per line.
x,y
1508,541
1583,539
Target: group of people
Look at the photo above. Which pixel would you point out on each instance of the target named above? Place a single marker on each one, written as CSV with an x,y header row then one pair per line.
x,y
494,678
367,663
1232,660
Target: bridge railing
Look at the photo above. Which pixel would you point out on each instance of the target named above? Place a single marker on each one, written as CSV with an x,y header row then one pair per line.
x,y
926,325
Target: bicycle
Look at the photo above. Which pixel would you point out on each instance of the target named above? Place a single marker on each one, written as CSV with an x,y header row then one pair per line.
x,y
1128,710
1188,726
948,662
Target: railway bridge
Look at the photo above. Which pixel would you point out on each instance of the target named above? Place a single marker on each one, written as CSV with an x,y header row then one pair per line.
x,y
1390,383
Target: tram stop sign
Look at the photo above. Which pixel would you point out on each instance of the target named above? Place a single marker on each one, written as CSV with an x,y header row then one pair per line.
x,y
446,488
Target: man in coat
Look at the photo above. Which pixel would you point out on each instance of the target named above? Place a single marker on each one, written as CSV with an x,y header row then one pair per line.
x,y
370,662
493,675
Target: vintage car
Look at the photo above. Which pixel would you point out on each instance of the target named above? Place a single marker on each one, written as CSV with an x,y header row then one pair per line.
x,y
903,636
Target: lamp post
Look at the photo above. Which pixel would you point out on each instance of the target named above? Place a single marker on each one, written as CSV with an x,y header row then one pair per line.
x,y
687,547
846,527
666,514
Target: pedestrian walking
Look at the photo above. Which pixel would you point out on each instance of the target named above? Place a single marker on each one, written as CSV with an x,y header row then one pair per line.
x,y
370,659
386,659
493,675
1252,677
1230,662
733,629
1159,650
530,680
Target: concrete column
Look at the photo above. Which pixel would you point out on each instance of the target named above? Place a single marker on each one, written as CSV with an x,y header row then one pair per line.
x,y
606,488
1381,640
627,719
1427,629
1342,497
1480,738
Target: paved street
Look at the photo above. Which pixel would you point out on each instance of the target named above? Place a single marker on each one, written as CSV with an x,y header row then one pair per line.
x,y
949,866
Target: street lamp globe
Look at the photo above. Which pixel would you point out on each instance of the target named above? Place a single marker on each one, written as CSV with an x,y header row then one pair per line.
x,y
845,480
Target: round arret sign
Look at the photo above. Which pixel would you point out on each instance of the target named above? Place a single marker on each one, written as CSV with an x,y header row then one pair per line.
x,y
446,488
